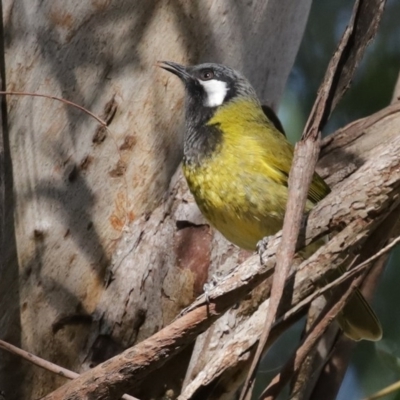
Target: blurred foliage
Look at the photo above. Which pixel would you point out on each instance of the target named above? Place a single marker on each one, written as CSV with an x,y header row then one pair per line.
x,y
374,365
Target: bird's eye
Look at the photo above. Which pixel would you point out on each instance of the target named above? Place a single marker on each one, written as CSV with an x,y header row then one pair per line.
x,y
206,74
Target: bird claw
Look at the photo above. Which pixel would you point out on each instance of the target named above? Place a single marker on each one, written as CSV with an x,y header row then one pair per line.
x,y
208,286
262,246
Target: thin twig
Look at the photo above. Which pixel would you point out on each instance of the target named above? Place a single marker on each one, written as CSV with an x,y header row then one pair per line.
x,y
47,96
342,278
40,362
97,118
47,365
385,392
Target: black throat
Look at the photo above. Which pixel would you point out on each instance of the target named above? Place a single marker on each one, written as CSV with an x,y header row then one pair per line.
x,y
201,138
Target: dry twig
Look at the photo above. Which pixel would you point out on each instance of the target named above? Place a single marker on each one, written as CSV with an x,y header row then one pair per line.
x,y
47,365
341,279
47,96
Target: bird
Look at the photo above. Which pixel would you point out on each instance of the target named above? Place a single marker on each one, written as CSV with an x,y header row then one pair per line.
x,y
236,161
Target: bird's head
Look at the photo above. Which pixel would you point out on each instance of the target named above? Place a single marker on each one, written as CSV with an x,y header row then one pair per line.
x,y
209,86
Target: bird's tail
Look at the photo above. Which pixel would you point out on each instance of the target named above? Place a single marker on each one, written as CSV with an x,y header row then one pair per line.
x,y
357,319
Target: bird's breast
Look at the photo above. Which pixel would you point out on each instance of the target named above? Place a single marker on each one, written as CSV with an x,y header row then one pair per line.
x,y
236,197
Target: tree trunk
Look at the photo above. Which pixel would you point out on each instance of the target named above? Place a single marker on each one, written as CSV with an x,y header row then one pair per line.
x,y
106,249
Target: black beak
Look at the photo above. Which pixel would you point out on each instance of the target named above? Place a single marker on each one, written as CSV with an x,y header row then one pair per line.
x,y
176,69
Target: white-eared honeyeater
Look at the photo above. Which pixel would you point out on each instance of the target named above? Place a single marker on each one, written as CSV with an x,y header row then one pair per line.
x,y
237,162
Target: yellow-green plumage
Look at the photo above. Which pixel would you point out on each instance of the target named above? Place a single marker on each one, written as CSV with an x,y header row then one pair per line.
x,y
251,163
237,166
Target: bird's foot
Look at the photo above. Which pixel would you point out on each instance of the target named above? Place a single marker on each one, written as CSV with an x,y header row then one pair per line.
x,y
208,286
262,246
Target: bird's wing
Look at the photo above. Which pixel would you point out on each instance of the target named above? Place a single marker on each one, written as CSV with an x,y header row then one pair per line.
x,y
279,162
270,114
318,189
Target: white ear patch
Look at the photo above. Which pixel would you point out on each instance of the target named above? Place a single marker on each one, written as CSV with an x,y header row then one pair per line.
x,y
216,92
